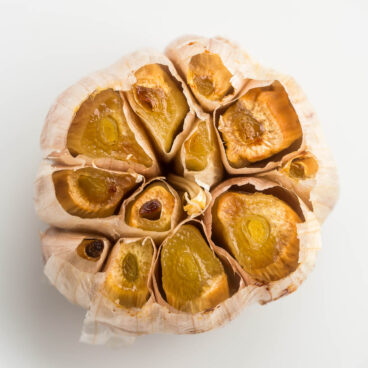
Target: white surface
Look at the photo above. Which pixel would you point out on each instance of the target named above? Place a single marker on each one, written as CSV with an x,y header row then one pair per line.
x,y
46,46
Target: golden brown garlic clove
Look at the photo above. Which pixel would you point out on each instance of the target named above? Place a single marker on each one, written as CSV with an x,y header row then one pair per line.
x,y
100,129
152,209
302,167
260,232
91,193
213,68
192,276
208,77
127,272
258,125
199,158
160,103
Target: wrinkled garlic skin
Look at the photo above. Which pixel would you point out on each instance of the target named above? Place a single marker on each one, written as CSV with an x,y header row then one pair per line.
x,y
160,103
90,192
100,129
197,148
152,209
302,167
193,278
260,231
208,77
127,273
259,125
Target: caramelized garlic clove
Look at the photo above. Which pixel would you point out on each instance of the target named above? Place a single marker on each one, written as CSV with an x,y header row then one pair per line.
x,y
160,103
302,167
259,125
212,67
193,278
100,130
152,209
90,192
127,272
208,77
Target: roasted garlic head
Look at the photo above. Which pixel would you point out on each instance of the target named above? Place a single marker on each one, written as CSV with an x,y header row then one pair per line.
x,y
180,188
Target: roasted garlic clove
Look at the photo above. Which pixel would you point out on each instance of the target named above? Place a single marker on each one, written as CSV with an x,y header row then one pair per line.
x,y
258,125
260,232
91,122
59,190
302,167
152,209
199,158
71,260
90,192
208,77
193,278
160,103
212,67
100,129
127,272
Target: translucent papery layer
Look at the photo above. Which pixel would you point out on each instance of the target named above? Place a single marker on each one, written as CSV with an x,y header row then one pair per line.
x,y
72,261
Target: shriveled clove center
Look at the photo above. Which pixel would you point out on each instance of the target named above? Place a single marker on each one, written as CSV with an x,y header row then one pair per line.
x,y
127,273
100,130
260,124
193,278
90,249
197,148
152,209
260,231
208,77
90,192
160,103
302,167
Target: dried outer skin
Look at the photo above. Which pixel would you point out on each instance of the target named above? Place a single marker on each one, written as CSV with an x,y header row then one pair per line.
x,y
128,65
72,275
308,233
157,236
50,210
212,173
62,112
181,51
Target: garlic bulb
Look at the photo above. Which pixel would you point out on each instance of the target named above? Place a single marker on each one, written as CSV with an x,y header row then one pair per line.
x,y
234,218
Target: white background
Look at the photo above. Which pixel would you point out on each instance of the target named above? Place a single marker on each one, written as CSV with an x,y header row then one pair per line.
x,y
47,45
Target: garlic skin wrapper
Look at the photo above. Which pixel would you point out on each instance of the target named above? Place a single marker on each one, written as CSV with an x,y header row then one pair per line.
x,y
116,222
69,270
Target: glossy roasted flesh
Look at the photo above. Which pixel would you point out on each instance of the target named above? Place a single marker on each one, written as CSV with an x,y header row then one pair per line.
x,y
302,167
100,130
160,103
127,273
258,125
193,278
208,77
90,192
260,231
152,209
198,147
